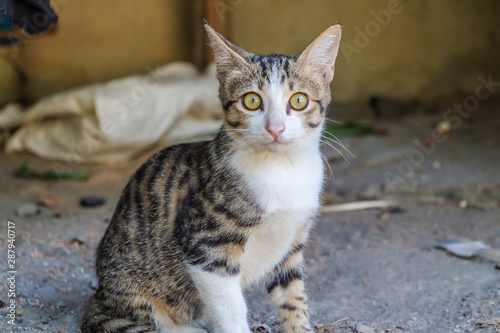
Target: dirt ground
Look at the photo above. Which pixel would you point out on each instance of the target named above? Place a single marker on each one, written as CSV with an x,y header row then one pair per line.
x,y
367,271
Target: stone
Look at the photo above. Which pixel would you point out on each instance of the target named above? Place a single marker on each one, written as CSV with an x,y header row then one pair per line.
x,y
91,201
27,210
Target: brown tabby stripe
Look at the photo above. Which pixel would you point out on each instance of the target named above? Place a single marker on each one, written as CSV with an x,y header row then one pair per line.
x,y
283,279
233,124
222,239
321,106
139,233
287,306
228,104
270,62
297,248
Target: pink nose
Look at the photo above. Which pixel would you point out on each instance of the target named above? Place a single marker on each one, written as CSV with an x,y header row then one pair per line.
x,y
275,129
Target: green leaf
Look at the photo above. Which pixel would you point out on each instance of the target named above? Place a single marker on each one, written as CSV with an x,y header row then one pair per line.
x,y
27,173
349,129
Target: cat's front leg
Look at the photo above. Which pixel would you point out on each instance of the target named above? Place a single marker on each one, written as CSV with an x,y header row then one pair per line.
x,y
225,308
286,287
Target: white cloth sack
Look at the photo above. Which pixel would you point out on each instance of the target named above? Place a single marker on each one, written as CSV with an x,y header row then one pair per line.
x,y
114,122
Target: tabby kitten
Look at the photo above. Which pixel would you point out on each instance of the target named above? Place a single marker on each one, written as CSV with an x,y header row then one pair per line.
x,y
199,222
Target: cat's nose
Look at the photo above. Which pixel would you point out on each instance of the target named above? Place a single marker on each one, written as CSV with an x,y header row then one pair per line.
x,y
275,129
275,123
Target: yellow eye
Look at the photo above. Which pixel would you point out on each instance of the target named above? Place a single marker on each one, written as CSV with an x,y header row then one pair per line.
x,y
298,101
252,101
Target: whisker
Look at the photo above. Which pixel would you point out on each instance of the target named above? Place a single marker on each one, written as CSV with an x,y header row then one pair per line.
x,y
337,141
331,136
327,143
334,121
333,140
323,157
326,139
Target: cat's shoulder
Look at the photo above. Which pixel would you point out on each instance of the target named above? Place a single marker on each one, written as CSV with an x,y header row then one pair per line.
x,y
180,151
172,157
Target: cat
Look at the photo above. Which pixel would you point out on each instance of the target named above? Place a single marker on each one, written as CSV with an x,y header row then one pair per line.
x,y
199,222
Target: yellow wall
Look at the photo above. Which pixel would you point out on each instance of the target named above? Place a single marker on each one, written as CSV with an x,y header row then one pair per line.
x,y
100,40
10,81
429,48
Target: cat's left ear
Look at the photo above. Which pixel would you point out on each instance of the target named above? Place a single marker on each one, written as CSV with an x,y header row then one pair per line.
x,y
227,56
320,55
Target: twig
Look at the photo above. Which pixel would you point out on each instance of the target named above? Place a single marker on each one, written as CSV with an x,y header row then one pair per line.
x,y
358,205
321,326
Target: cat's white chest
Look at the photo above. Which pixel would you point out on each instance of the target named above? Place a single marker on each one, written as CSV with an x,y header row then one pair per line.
x,y
283,183
288,191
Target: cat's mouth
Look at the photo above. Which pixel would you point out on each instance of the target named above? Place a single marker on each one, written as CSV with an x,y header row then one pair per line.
x,y
276,145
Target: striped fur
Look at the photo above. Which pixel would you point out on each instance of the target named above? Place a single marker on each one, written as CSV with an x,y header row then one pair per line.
x,y
199,222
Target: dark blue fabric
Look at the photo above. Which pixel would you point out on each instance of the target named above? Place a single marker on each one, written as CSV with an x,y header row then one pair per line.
x,y
33,16
6,8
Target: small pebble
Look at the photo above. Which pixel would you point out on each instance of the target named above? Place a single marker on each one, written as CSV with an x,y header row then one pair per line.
x,y
77,242
27,210
436,165
361,328
444,127
91,201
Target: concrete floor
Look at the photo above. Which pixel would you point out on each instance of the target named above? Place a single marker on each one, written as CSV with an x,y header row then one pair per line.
x,y
368,271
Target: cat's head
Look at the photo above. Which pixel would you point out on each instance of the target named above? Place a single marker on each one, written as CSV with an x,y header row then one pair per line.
x,y
275,102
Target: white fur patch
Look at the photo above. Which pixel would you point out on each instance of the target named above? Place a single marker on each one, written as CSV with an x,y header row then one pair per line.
x,y
287,186
289,180
268,245
225,309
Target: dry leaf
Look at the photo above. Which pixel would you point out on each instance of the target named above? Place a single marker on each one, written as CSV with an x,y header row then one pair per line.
x,y
493,321
49,200
465,249
56,202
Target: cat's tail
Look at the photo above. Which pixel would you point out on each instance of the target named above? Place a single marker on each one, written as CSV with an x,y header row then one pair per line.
x,y
97,319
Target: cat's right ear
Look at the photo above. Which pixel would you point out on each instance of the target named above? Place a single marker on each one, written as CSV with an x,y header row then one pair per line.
x,y
227,56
